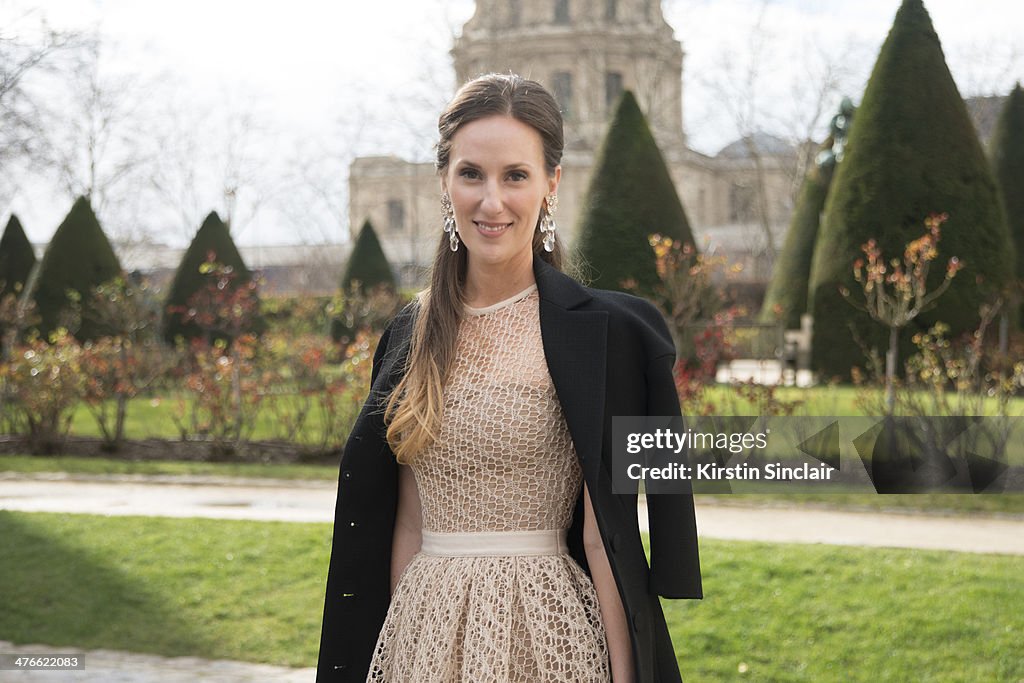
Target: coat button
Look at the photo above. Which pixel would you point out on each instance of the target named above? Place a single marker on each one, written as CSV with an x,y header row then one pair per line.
x,y
347,474
616,541
340,667
353,524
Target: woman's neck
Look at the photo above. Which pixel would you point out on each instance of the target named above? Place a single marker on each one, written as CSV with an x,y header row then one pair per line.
x,y
487,285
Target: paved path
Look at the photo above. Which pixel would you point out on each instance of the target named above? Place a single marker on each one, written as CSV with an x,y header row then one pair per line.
x,y
109,666
313,501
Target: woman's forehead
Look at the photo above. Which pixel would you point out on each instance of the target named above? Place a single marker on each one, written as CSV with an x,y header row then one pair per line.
x,y
497,139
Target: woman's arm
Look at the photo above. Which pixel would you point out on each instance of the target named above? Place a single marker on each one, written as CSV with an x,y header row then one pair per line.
x,y
620,650
408,525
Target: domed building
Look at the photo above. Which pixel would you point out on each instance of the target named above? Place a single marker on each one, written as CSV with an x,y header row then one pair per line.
x,y
587,52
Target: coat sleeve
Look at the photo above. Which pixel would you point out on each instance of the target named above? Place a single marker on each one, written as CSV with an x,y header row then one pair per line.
x,y
357,593
675,561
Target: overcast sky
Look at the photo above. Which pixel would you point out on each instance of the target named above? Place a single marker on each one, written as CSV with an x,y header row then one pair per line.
x,y
369,77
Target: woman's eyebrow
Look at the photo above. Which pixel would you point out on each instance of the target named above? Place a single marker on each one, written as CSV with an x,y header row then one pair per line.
x,y
508,167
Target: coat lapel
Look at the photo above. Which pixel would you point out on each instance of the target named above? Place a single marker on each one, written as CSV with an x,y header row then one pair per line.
x,y
575,344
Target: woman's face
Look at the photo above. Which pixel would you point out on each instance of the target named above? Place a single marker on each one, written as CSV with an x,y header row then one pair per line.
x,y
497,183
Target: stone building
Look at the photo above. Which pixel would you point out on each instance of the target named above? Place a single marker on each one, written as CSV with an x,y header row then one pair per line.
x,y
586,52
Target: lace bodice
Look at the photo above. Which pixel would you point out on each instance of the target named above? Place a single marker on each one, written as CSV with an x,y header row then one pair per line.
x,y
504,459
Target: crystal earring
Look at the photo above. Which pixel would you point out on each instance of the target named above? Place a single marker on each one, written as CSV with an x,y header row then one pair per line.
x,y
547,222
448,213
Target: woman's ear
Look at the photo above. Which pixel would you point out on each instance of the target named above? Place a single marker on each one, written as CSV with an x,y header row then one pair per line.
x,y
554,179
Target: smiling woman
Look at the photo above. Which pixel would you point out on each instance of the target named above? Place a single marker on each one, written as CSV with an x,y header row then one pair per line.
x,y
476,534
498,185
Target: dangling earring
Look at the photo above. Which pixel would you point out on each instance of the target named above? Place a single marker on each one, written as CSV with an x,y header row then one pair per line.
x,y
448,213
547,222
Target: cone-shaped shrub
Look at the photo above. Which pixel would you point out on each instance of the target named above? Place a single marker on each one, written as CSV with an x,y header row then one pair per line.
x,y
912,151
213,238
1007,149
786,298
79,258
367,263
368,294
631,196
17,259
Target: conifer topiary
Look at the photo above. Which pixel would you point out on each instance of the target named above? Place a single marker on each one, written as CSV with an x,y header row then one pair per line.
x,y
17,258
1007,147
786,298
78,258
213,239
630,197
367,263
913,151
368,295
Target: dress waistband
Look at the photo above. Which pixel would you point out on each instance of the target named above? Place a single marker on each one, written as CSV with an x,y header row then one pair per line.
x,y
495,543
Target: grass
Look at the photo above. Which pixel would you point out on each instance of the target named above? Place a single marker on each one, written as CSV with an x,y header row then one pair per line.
x,y
219,589
253,591
1011,504
152,417
788,613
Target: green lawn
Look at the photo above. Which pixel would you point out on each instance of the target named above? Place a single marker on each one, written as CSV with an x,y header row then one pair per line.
x,y
254,591
786,613
152,417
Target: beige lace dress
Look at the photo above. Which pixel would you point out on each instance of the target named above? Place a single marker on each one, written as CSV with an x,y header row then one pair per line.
x,y
493,596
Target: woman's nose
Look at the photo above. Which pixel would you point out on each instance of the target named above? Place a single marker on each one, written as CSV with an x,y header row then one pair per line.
x,y
492,203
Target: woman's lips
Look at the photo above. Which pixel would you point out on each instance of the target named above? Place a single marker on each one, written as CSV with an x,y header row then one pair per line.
x,y
491,229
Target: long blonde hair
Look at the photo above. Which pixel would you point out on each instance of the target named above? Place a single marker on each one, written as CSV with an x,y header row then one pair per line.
x,y
414,408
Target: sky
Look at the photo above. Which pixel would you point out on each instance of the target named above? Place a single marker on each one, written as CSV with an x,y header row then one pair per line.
x,y
326,81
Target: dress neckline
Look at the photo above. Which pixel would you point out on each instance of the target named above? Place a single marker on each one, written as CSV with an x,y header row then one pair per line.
x,y
502,304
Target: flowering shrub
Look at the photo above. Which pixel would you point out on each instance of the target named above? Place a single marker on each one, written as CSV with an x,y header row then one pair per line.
x,y
45,382
297,367
115,371
126,362
686,293
712,345
354,310
343,397
227,394
959,377
222,309
895,293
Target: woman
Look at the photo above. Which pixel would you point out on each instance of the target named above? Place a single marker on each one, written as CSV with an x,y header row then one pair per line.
x,y
476,536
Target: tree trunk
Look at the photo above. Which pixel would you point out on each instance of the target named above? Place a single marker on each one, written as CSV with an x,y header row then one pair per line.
x,y
890,370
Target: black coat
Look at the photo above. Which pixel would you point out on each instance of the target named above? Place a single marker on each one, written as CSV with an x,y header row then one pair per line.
x,y
608,354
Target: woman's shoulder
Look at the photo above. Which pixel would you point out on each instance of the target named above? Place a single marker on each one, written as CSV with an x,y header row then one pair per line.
x,y
635,314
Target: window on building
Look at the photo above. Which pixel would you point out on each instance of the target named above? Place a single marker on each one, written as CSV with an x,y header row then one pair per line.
x,y
741,203
561,11
396,214
612,88
561,83
611,9
515,12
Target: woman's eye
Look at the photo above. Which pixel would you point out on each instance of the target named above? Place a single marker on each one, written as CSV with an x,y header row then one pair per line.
x,y
517,175
469,173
